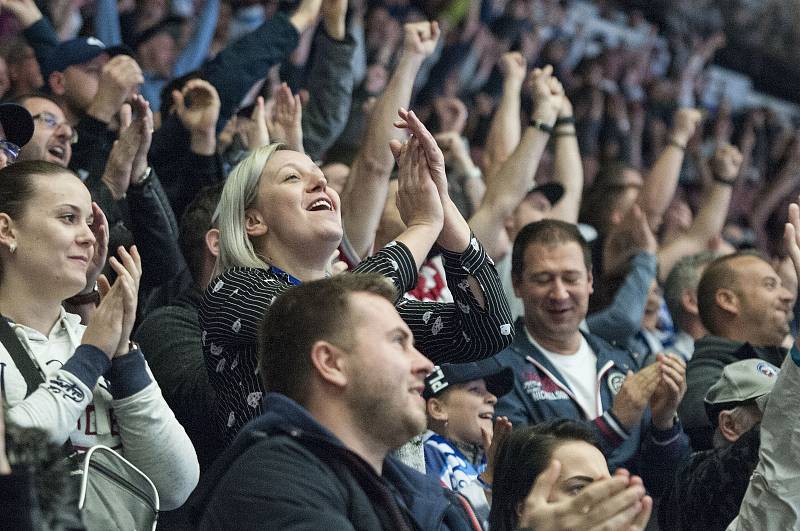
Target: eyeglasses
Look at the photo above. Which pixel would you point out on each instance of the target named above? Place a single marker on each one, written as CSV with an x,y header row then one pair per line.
x,y
11,151
52,123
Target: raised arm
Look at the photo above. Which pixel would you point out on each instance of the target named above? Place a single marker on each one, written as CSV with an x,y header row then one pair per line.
x,y
568,168
507,186
711,217
662,180
504,130
367,185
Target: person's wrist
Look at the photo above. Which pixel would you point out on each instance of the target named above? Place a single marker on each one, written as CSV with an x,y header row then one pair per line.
x,y
102,110
545,116
140,175
723,179
663,422
116,191
335,27
203,142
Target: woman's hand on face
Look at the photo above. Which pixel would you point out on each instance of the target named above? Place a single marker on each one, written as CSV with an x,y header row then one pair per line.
x,y
100,231
491,442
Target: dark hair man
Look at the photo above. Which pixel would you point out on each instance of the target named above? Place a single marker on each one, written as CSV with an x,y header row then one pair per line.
x,y
560,372
345,387
747,311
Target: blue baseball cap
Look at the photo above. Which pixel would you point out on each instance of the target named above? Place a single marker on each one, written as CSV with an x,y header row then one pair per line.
x,y
499,380
77,51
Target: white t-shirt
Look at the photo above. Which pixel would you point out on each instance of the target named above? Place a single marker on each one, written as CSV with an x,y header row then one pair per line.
x,y
580,372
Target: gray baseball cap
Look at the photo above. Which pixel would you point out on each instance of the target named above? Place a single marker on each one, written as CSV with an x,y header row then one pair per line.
x,y
741,382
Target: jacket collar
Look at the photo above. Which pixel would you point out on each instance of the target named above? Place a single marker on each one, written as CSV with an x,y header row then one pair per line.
x,y
604,351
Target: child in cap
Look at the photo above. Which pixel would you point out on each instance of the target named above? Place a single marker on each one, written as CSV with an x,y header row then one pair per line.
x,y
460,400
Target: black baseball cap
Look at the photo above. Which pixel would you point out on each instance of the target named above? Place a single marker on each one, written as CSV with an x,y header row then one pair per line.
x,y
17,123
499,380
552,191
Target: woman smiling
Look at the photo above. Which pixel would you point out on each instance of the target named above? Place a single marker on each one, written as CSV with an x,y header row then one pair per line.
x,y
279,226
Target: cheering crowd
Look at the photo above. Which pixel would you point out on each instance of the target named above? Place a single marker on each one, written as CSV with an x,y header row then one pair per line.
x,y
331,264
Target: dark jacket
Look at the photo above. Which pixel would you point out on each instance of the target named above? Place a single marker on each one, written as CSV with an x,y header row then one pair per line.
x,y
540,393
709,488
286,471
711,355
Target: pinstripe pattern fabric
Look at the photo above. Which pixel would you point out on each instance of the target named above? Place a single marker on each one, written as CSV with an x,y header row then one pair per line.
x,y
235,302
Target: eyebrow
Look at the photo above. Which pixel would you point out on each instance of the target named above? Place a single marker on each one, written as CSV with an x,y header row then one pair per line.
x,y
582,478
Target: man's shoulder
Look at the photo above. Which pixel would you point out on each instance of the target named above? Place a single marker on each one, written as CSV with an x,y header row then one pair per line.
x,y
606,351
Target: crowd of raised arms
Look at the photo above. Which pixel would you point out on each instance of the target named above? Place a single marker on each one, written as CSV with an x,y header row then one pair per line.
x,y
391,265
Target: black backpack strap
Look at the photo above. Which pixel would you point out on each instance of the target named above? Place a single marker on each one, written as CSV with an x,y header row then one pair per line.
x,y
20,356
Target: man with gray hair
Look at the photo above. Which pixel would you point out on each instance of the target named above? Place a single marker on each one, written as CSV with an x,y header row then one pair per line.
x,y
709,487
680,294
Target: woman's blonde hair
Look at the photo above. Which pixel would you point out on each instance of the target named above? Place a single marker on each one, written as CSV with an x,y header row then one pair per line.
x,y
239,193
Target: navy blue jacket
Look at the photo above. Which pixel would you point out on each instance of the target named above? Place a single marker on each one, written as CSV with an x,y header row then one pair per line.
x,y
286,471
540,393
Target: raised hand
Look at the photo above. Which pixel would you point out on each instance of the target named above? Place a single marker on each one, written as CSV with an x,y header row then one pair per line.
x,y
26,11
253,130
452,114
726,162
669,391
791,236
333,16
118,80
128,158
618,503
129,272
417,196
284,122
512,67
420,38
100,254
634,395
684,125
197,105
144,123
105,327
548,94
491,443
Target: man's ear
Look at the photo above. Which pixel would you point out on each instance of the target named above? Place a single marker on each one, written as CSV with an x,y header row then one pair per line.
x,y
254,223
56,82
727,300
727,426
327,360
689,302
7,233
436,409
590,281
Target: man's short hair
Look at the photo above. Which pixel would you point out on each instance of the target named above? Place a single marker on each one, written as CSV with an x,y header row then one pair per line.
x,y
684,275
547,232
195,223
718,275
301,316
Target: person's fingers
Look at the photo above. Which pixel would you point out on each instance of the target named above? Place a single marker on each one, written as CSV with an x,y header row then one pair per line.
x,y
620,520
544,484
612,507
178,101
395,146
137,260
598,491
124,117
486,439
103,286
640,522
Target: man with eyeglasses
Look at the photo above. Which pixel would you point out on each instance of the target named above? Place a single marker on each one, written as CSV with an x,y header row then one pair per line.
x,y
52,136
16,129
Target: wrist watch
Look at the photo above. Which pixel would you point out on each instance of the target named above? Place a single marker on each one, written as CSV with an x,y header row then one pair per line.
x,y
142,179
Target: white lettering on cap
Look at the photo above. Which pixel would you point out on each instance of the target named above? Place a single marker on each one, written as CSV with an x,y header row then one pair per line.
x,y
437,383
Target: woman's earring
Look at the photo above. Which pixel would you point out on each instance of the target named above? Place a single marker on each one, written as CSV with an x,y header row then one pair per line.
x,y
12,247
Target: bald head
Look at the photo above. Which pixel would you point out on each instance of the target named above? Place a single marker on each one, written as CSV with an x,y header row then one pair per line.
x,y
741,297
